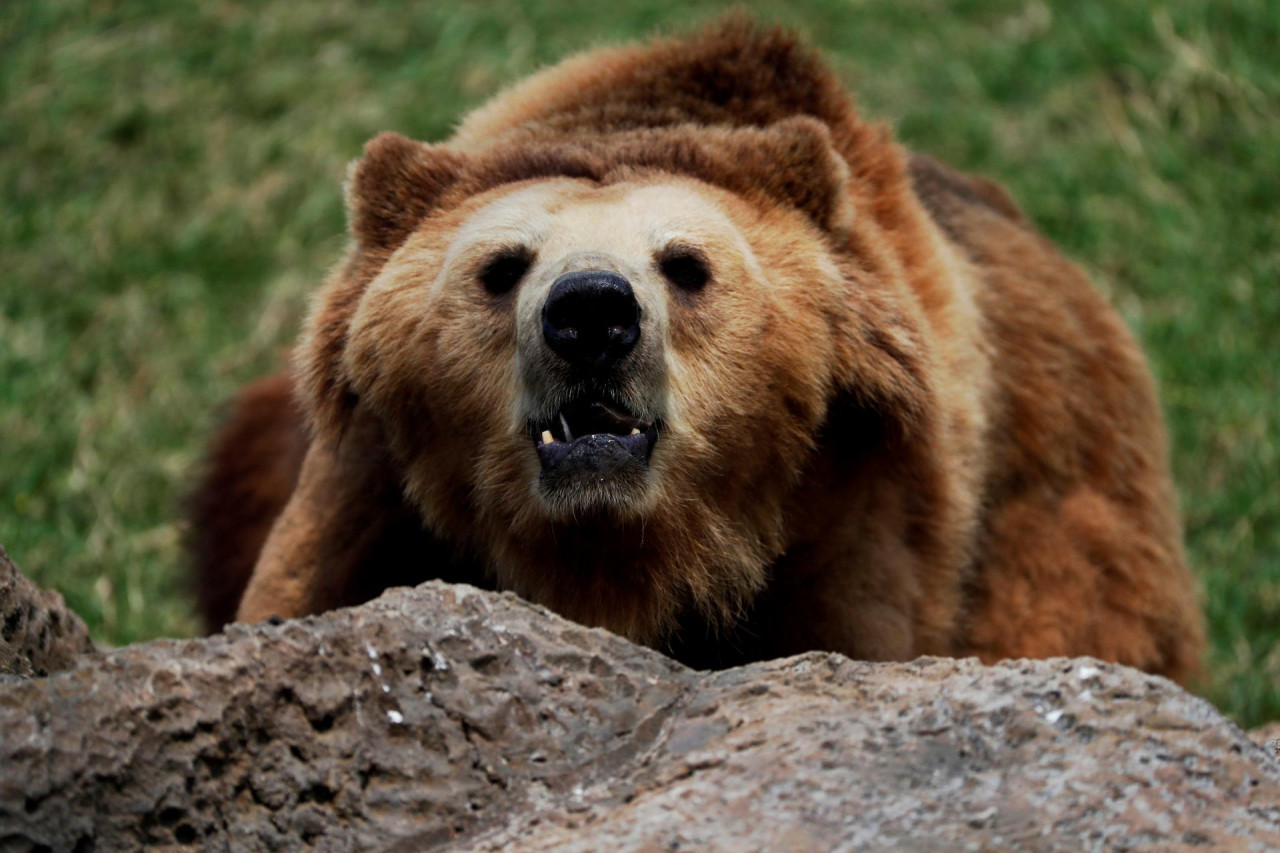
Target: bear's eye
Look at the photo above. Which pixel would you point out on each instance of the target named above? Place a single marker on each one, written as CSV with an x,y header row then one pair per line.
x,y
684,267
505,270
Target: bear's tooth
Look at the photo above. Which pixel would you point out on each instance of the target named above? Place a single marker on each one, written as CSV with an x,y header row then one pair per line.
x,y
568,436
547,438
635,431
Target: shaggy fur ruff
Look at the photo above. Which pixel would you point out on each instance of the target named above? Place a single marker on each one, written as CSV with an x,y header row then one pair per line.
x,y
897,421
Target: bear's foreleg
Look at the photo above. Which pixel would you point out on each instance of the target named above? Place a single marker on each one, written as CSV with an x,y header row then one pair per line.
x,y
338,515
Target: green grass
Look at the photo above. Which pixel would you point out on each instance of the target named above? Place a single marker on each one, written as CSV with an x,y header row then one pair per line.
x,y
169,195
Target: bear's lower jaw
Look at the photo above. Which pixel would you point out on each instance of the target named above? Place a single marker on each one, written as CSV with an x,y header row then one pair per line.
x,y
584,427
594,457
594,475
598,452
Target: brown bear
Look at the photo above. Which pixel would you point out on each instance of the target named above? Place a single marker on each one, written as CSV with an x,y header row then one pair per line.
x,y
670,340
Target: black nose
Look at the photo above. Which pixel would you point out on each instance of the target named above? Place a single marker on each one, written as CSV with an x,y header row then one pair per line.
x,y
591,319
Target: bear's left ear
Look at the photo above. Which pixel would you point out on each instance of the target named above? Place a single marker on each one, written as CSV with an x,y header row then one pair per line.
x,y
798,165
394,186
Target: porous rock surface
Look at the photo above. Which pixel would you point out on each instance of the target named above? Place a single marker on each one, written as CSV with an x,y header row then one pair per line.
x,y
449,718
1269,736
38,634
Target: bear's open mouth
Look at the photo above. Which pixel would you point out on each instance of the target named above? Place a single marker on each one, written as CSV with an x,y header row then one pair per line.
x,y
593,434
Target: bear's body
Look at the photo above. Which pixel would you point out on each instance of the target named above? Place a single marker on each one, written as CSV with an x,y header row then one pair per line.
x,y
668,339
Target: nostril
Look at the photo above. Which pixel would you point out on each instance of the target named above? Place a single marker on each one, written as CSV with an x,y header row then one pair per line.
x,y
591,318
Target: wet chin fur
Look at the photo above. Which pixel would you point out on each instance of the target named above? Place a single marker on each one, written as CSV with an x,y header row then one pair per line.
x,y
581,493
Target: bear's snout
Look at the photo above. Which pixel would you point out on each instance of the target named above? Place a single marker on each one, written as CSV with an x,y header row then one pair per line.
x,y
591,319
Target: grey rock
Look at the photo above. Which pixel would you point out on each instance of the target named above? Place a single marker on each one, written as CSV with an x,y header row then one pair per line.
x,y
444,717
38,634
1268,736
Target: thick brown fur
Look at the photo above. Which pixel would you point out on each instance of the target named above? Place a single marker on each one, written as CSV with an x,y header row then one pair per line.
x,y
252,469
897,421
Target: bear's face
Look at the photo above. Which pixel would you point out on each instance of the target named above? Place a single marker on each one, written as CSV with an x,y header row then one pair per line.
x,y
605,388
575,352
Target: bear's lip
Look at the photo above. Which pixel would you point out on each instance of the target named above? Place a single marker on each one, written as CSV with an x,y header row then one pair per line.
x,y
595,434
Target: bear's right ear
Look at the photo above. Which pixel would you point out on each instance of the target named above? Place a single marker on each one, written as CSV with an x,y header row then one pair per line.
x,y
394,186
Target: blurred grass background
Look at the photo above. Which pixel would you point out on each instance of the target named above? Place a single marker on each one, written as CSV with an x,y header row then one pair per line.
x,y
169,195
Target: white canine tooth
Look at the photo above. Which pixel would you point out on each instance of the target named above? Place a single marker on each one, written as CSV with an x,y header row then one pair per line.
x,y
635,431
547,438
568,436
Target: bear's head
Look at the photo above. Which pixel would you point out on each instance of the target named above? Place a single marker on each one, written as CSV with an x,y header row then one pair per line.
x,y
607,365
